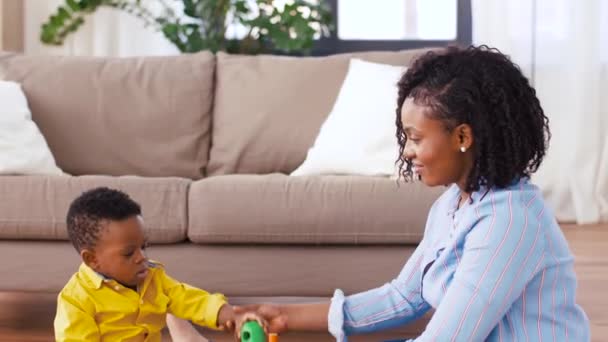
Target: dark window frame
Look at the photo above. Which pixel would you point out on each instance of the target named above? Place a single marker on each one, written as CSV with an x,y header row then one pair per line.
x,y
333,44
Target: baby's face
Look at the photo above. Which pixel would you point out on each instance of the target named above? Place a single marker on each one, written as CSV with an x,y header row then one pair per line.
x,y
120,251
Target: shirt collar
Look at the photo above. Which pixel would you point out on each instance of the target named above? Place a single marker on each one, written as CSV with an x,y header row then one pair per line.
x,y
92,278
480,194
475,196
95,279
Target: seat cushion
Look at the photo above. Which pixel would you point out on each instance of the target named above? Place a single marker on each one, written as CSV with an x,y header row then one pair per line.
x,y
307,210
35,207
145,116
268,109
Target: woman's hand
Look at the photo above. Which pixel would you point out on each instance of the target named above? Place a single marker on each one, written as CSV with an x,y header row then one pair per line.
x,y
241,319
270,317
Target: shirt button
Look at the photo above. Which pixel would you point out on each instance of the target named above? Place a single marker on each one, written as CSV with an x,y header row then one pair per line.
x,y
116,287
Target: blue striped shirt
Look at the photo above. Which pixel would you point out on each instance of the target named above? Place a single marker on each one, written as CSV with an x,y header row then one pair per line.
x,y
497,269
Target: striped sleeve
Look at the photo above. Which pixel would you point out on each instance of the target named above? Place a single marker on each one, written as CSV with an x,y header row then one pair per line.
x,y
502,253
393,304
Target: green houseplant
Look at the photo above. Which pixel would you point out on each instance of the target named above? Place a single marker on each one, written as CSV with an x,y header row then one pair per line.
x,y
195,25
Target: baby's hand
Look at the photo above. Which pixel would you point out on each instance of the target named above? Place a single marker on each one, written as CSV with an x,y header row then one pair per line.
x,y
226,318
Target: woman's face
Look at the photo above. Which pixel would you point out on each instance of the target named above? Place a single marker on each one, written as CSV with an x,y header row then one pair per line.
x,y
433,149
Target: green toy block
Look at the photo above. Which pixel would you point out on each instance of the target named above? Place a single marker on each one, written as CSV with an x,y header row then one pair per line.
x,y
252,332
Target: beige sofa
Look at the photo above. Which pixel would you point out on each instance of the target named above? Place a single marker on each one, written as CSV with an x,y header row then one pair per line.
x,y
205,143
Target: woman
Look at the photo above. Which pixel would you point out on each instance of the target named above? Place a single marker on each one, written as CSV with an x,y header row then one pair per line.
x,y
493,262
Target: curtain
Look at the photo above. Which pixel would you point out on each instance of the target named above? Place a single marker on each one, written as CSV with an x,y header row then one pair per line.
x,y
562,46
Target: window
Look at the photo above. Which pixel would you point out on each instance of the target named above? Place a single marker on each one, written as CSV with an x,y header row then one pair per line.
x,y
397,20
396,24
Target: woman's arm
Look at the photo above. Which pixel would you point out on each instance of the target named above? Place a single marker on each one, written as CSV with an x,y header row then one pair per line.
x,y
393,304
306,316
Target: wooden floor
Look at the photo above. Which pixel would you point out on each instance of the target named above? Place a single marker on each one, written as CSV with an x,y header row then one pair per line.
x,y
590,247
33,322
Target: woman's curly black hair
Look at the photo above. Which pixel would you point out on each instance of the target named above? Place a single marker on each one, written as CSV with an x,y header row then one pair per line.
x,y
92,209
483,88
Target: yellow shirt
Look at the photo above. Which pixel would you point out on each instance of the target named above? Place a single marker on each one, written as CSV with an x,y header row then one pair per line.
x,y
92,308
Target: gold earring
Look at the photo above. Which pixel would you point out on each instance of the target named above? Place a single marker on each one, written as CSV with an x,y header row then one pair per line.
x,y
463,149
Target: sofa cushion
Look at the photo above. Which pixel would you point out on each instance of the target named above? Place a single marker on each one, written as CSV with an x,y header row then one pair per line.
x,y
146,116
269,109
35,207
307,210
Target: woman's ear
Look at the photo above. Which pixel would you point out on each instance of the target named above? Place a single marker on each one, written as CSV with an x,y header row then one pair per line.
x,y
463,136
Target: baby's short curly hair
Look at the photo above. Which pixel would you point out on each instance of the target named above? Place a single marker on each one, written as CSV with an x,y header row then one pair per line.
x,y
94,208
483,88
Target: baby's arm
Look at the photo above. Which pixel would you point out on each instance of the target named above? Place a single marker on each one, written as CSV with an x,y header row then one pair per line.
x,y
72,322
196,305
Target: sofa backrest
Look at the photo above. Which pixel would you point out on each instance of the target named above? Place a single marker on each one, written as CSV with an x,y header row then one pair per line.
x,y
147,116
35,207
268,109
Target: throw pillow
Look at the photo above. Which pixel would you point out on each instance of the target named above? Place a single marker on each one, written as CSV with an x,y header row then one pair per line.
x,y
23,149
358,136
